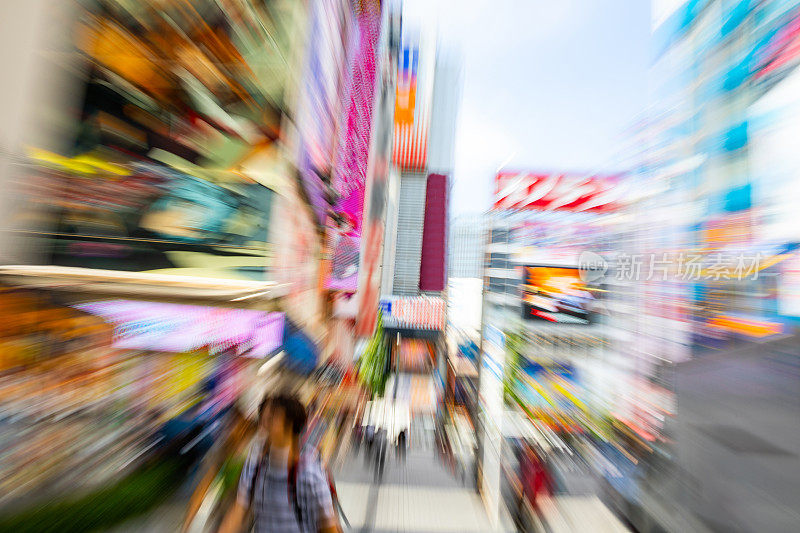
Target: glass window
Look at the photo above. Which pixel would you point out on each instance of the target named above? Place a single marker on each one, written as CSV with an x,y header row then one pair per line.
x,y
499,235
498,260
496,285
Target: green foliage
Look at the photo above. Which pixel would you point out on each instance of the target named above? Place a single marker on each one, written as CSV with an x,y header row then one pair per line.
x,y
104,508
372,369
513,367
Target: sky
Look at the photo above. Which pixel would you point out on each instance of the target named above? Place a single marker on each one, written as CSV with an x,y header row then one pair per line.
x,y
548,85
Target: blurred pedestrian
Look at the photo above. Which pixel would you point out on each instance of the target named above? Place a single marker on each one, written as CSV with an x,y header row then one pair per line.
x,y
534,481
380,452
401,445
369,435
357,437
277,465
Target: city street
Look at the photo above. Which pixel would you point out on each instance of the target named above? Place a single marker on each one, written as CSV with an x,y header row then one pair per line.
x,y
418,496
738,434
542,259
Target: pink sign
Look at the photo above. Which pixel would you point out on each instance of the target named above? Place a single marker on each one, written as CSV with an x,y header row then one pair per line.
x,y
353,155
182,328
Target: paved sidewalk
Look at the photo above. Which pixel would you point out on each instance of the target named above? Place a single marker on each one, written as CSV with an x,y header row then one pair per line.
x,y
418,496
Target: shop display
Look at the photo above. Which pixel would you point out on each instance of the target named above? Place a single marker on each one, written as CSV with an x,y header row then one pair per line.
x,y
79,411
414,355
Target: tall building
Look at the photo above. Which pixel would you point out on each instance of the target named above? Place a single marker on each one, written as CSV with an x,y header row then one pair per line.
x,y
410,227
414,278
718,140
466,246
537,292
428,84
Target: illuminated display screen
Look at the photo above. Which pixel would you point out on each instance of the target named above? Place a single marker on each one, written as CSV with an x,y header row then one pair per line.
x,y
556,294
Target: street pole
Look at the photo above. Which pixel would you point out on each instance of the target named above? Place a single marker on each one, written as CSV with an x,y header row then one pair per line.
x,y
396,366
479,431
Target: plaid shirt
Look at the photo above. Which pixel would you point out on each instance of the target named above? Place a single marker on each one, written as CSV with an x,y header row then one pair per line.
x,y
273,509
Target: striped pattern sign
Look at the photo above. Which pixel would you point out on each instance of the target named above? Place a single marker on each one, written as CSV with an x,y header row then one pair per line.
x,y
556,192
412,111
415,312
410,146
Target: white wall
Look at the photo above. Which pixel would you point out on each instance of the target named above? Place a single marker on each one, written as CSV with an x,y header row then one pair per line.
x,y
40,81
390,234
464,303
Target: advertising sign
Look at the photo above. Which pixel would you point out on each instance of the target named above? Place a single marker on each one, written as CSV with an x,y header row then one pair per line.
x,y
149,217
350,173
377,179
155,179
414,312
182,328
406,98
556,294
556,192
413,103
296,260
331,25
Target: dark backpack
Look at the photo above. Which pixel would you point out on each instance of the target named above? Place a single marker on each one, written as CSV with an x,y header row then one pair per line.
x,y
292,485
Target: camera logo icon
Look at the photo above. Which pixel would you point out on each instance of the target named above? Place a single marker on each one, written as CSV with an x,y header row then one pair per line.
x,y
592,266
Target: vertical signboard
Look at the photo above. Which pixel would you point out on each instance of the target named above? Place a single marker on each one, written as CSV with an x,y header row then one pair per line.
x,y
491,401
297,258
330,27
412,107
377,180
432,270
350,173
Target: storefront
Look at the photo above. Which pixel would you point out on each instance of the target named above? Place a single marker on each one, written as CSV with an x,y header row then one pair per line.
x,y
95,386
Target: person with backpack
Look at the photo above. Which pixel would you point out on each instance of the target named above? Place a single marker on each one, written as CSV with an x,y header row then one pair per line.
x,y
283,484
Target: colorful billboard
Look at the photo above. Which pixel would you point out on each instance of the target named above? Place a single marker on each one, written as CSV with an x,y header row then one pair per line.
x,y
406,94
556,192
377,180
167,118
182,328
350,173
331,29
148,217
413,104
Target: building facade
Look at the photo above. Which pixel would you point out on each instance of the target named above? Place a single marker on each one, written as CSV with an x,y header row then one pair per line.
x,y
466,246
